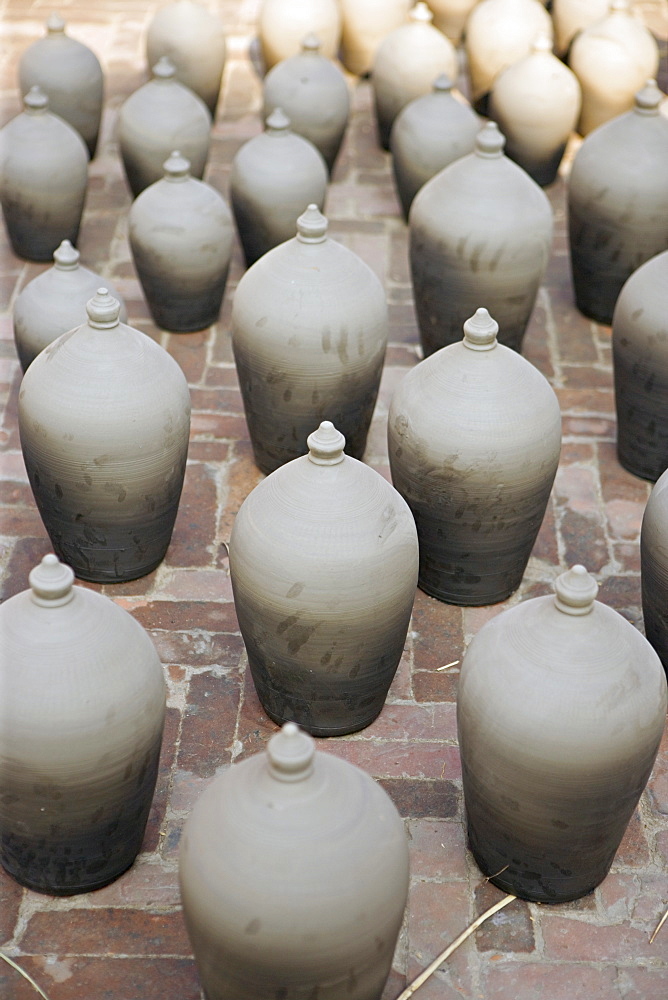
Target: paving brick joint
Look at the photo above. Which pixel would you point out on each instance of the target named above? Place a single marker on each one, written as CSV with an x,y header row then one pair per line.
x,y
128,940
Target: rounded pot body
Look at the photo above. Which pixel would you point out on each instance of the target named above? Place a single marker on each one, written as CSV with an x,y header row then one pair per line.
x,y
313,93
193,40
182,266
654,568
618,204
428,134
158,118
323,562
43,178
83,712
275,176
498,34
571,16
69,73
640,360
309,332
55,302
407,62
365,25
560,712
284,23
104,418
612,59
536,103
479,231
293,869
450,17
474,435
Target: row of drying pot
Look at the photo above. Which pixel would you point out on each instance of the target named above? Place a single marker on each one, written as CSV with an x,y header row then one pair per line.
x,y
554,761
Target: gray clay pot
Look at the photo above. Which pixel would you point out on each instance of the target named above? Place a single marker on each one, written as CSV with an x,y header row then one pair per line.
x,y
480,232
323,563
560,711
474,435
640,358
618,203
104,419
83,713
654,568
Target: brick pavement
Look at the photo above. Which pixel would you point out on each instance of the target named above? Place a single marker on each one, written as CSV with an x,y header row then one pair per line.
x,y
127,941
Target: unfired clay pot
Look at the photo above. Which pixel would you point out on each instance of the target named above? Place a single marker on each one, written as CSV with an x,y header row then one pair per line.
x,y
654,568
43,178
274,177
293,869
428,134
618,203
450,17
309,331
571,16
193,40
498,34
182,266
284,23
104,418
83,709
313,93
474,434
55,302
560,712
640,357
323,562
405,65
536,103
612,59
70,75
159,117
365,25
480,231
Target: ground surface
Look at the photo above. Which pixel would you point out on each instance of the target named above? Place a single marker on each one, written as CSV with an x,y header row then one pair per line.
x,y
128,941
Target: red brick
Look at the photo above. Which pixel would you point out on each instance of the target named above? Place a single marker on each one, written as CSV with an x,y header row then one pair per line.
x,y
185,615
437,632
146,885
584,540
536,344
437,913
531,981
633,851
167,757
415,722
16,522
417,798
26,554
195,527
594,427
242,476
546,547
508,930
11,894
586,377
399,760
437,850
643,983
572,940
209,723
189,350
108,930
107,979
616,483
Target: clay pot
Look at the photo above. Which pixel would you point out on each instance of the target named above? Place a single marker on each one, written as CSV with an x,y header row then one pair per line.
x,y
274,177
43,178
161,116
266,843
427,135
654,568
405,65
104,418
83,712
474,434
309,332
536,103
193,39
313,93
284,23
498,34
365,25
71,77
640,357
450,17
323,563
182,267
560,712
612,59
571,16
618,203
55,302
480,231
